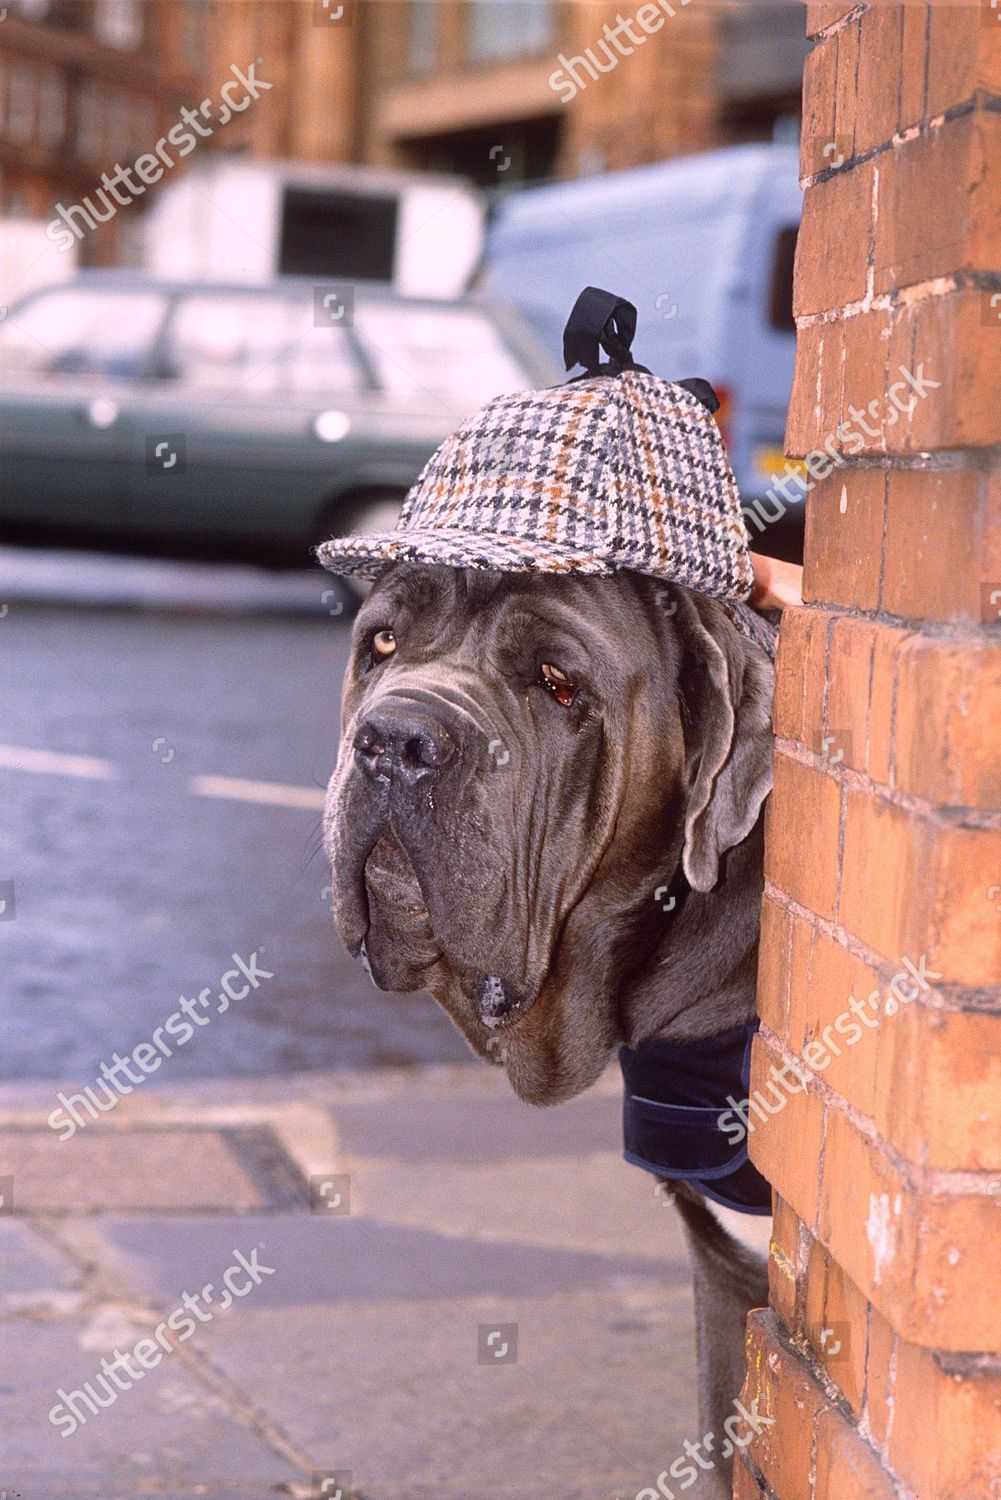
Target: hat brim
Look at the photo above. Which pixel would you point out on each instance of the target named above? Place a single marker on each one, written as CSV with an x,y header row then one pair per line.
x,y
365,556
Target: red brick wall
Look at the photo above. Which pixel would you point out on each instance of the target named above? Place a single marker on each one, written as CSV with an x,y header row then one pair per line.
x,y
878,1357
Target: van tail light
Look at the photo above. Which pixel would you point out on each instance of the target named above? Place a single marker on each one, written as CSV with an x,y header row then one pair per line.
x,y
724,416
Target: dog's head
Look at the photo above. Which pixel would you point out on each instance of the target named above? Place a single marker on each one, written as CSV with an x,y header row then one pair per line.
x,y
525,762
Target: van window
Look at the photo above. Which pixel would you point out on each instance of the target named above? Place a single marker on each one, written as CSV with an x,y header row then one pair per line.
x,y
82,333
780,304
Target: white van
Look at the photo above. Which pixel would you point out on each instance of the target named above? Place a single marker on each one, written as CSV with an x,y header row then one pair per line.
x,y
228,218
703,245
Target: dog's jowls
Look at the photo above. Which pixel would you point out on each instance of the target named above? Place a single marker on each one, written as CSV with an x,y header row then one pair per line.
x,y
525,761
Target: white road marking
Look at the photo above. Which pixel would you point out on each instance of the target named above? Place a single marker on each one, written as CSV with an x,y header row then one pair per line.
x,y
92,768
52,763
268,793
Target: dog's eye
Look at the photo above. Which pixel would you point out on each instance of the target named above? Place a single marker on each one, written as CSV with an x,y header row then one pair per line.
x,y
559,684
383,644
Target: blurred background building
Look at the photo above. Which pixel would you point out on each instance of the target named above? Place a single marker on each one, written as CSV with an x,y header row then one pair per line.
x,y
461,86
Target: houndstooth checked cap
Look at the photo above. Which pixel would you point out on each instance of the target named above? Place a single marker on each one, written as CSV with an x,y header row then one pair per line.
x,y
611,470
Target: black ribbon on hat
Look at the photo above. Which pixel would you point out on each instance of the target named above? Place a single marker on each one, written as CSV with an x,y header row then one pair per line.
x,y
601,321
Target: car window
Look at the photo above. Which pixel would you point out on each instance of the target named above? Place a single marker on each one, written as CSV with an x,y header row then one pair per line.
x,y
780,300
455,352
82,334
257,343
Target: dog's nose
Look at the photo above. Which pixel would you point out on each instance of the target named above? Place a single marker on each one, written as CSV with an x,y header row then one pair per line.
x,y
403,740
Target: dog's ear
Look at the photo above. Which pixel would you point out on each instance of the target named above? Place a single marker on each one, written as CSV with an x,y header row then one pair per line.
x,y
726,686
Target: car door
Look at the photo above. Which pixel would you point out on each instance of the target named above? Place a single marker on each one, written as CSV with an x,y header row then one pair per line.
x,y
70,358
228,432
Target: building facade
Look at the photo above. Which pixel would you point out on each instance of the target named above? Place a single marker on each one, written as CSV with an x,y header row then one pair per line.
x,y
501,91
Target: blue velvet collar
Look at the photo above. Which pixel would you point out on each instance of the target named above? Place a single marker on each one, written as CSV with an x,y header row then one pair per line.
x,y
674,1097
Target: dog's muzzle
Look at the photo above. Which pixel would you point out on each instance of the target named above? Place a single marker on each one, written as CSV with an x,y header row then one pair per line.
x,y
403,743
402,748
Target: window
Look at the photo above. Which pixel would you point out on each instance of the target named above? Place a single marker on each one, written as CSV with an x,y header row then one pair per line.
x,y
69,332
780,298
422,21
51,109
19,116
509,28
257,343
119,23
350,236
193,18
452,352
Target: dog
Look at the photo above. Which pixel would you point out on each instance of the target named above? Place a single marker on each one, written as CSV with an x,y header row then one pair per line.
x,y
524,761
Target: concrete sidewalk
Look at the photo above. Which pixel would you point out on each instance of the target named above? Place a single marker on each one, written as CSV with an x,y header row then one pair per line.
x,y
464,1298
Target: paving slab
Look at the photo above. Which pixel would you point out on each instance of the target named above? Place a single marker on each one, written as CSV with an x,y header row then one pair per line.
x,y
498,1308
29,1264
168,1429
154,1170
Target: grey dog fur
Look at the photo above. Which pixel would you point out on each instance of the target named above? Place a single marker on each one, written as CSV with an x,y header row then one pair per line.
x,y
532,853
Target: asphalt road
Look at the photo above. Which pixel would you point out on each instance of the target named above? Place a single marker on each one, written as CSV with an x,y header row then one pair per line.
x,y
131,886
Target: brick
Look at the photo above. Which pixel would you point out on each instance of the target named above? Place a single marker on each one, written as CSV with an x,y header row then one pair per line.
x,y
878,83
888,642
879,1364
867,414
938,1081
803,936
913,885
773,964
938,204
799,672
782,1286
847,1035
836,1325
786,1393
818,108
885,898
936,1395
913,66
951,1303
866,1219
787,1146
821,17
785,1232
846,1466
952,339
938,549
818,381
849,669
801,840
844,531
836,225
845,87
954,36
989,59
918,1256
948,710
967,943
745,1486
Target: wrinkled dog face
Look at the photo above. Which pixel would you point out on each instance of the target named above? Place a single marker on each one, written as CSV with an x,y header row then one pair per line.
x,y
522,760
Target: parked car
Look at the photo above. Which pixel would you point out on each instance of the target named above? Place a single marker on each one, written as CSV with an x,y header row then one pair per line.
x,y
230,420
703,245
